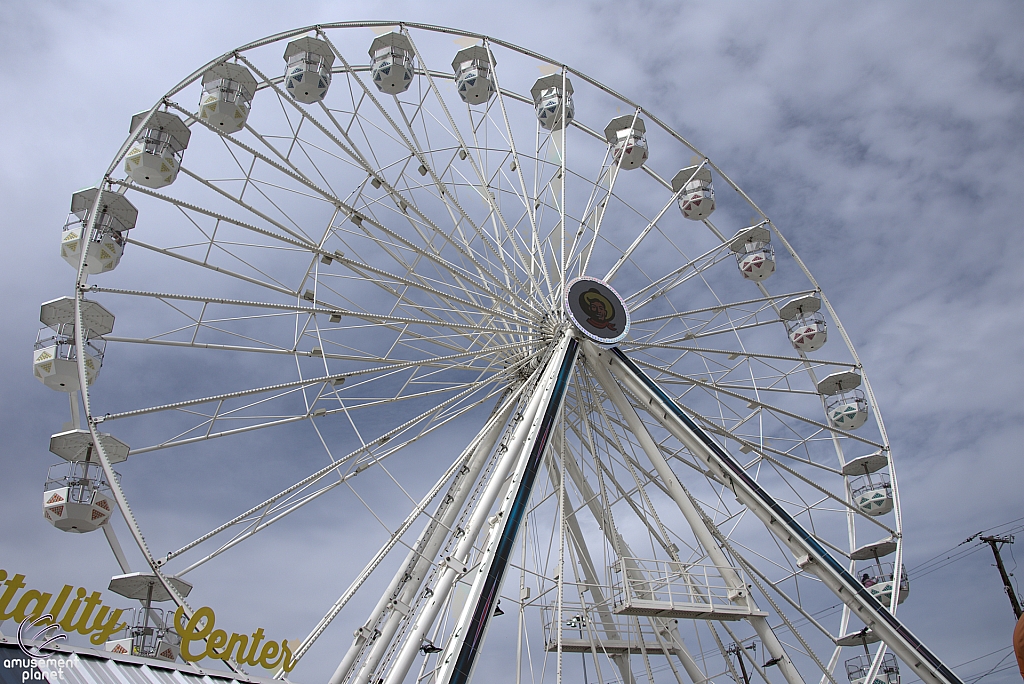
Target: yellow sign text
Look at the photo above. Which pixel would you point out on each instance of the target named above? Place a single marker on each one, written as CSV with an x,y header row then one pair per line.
x,y
84,613
243,648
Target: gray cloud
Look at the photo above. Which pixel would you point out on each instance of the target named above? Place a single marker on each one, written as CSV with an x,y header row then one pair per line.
x,y
885,140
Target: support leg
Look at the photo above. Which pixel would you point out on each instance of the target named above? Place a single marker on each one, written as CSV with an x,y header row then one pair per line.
x,y
699,526
811,554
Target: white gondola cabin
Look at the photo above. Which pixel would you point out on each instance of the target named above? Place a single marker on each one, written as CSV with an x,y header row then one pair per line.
x,y
228,90
755,256
307,75
857,670
116,216
394,63
880,581
626,136
696,191
474,77
76,496
147,633
804,323
55,357
150,631
872,494
552,100
845,403
154,158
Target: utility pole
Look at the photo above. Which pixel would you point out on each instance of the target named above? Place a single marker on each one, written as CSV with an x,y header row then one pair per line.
x,y
993,541
737,650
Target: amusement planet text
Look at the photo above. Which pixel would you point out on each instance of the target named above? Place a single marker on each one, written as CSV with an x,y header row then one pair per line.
x,y
42,669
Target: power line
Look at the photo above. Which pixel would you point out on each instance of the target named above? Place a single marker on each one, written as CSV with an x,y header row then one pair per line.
x,y
965,541
971,538
1013,571
998,650
968,662
949,560
993,669
941,560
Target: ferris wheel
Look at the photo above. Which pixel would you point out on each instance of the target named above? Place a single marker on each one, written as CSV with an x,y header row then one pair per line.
x,y
592,419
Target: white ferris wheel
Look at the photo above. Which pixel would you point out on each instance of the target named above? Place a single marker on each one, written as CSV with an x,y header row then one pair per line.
x,y
443,284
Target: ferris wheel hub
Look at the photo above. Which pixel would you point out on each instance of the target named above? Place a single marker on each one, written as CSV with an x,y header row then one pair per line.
x,y
596,310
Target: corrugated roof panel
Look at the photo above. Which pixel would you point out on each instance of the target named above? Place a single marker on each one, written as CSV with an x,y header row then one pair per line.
x,y
108,671
176,677
77,675
137,675
101,667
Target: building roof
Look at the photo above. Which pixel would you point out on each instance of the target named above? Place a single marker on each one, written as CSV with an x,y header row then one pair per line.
x,y
102,667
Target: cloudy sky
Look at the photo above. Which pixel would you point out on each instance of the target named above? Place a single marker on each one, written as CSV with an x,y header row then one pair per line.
x,y
885,139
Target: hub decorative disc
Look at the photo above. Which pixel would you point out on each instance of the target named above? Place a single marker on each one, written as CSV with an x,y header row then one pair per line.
x,y
597,310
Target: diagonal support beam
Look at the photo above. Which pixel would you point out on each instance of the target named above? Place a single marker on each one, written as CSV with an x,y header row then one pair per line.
x,y
689,510
410,576
459,658
607,525
593,580
810,554
510,465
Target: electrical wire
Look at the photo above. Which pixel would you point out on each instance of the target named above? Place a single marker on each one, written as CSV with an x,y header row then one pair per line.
x,y
1013,571
951,555
950,560
993,669
972,660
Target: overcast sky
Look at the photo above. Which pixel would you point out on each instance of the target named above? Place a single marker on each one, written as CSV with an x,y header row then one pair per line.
x,y
885,139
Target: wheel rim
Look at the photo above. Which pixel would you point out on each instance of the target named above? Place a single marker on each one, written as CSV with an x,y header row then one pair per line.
x,y
449,276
